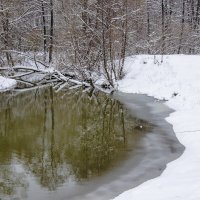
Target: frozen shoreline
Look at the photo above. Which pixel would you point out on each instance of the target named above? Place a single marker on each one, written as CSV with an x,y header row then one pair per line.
x,y
177,80
6,83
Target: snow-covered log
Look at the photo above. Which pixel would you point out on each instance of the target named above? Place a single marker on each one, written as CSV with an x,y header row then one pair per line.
x,y
30,77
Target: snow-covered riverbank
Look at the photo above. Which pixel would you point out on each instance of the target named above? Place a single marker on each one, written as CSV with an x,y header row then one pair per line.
x,y
176,80
6,83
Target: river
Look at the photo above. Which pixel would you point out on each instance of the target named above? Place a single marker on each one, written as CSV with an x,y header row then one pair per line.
x,y
80,144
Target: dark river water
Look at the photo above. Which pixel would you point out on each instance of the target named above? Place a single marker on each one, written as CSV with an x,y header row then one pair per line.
x,y
80,145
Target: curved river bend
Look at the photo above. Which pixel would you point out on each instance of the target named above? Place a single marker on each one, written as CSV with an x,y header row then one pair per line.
x,y
79,145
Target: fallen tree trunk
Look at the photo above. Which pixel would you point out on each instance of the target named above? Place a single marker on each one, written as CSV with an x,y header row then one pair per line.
x,y
29,77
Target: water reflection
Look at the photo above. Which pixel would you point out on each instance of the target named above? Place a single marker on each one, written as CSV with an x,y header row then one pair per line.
x,y
60,136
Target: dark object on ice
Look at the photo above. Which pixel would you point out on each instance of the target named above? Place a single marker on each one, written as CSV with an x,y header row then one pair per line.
x,y
174,94
139,127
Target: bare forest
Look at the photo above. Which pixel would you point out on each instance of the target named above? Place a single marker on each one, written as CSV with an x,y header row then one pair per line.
x,y
86,39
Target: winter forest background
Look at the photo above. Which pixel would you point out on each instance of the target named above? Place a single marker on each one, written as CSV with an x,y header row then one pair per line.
x,y
87,38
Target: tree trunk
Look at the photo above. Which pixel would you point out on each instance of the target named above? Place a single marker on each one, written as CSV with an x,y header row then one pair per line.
x,y
124,38
44,31
51,32
163,27
182,27
5,26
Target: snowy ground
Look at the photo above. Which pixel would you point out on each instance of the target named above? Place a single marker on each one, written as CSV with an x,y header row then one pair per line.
x,y
6,83
177,80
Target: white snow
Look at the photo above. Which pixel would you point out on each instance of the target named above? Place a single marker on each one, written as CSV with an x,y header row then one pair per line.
x,y
177,80
6,83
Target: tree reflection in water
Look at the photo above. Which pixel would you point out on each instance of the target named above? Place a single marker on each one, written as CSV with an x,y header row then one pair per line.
x,y
60,135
